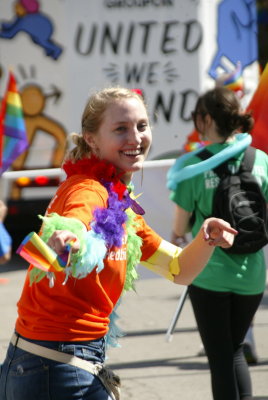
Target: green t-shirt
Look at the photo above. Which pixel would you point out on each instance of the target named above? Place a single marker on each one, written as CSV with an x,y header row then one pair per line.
x,y
238,273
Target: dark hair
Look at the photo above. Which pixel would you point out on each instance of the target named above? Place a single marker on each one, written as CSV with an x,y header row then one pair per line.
x,y
223,106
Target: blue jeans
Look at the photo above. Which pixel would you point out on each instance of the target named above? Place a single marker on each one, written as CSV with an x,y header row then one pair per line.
x,y
25,376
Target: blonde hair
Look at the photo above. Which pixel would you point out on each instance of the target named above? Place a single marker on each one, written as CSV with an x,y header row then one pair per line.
x,y
92,117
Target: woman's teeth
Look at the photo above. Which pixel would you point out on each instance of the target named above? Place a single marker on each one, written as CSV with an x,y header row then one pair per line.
x,y
132,152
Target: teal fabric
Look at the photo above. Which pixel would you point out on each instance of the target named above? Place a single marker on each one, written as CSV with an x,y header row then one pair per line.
x,y
242,274
181,170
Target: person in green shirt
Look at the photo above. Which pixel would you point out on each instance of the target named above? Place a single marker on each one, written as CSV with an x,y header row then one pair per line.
x,y
226,294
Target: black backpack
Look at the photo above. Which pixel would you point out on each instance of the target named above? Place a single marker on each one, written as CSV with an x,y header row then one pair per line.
x,y
239,200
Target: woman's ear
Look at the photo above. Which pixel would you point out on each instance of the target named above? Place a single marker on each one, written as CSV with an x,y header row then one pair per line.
x,y
208,120
89,139
200,123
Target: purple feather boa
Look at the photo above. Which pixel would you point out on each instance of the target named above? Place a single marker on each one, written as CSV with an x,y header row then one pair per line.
x,y
108,222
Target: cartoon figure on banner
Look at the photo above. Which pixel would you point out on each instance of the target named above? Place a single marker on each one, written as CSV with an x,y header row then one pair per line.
x,y
33,103
239,41
38,26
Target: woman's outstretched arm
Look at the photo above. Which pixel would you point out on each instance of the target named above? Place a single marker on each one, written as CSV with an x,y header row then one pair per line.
x,y
194,257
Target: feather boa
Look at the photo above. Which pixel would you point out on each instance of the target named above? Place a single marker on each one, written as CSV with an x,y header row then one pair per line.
x,y
107,230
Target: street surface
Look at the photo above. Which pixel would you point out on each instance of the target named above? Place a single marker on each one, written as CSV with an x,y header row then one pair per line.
x,y
149,367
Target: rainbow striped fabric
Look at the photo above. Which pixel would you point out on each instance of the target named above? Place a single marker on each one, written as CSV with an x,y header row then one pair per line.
x,y
13,136
34,250
258,106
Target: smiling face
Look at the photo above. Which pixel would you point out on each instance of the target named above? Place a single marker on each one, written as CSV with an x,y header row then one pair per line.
x,y
124,136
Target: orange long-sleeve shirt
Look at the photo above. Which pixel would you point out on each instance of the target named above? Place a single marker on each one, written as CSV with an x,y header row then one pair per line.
x,y
78,310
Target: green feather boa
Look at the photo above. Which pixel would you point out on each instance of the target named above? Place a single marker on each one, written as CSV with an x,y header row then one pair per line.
x,y
54,222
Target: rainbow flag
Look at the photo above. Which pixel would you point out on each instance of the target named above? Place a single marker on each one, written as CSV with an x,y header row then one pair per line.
x,y
34,250
234,80
13,136
258,106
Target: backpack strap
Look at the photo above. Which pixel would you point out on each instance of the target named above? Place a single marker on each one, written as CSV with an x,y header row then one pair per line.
x,y
204,154
246,163
248,159
220,169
